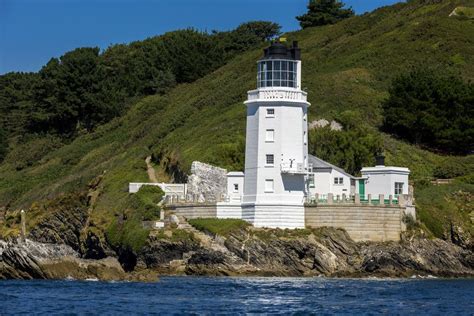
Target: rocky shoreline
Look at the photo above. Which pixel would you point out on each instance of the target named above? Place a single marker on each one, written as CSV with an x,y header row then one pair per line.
x,y
246,252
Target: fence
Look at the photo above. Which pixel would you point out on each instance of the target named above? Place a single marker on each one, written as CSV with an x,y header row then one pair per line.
x,y
402,199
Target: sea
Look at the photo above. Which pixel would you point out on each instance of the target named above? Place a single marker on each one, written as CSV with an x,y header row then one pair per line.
x,y
238,296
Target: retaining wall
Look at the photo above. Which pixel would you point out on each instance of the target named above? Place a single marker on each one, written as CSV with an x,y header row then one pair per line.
x,y
362,222
194,211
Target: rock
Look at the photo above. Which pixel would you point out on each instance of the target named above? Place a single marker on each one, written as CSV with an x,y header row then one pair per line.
x,y
67,218
325,251
34,260
94,246
159,252
334,126
318,124
174,219
207,181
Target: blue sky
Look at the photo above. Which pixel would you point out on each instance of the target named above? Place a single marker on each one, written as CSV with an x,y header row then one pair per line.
x,y
33,31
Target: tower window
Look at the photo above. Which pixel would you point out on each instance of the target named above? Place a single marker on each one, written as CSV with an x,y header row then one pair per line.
x,y
398,188
270,135
269,185
270,112
236,187
270,160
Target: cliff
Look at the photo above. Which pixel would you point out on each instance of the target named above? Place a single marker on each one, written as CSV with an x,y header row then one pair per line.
x,y
246,251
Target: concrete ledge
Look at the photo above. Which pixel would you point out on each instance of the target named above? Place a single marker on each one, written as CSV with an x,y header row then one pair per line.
x,y
194,211
362,222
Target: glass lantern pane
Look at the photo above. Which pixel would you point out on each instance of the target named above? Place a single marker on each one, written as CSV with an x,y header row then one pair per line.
x,y
284,65
268,64
290,66
276,65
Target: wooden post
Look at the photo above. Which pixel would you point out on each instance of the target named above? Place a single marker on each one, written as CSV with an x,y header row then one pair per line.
x,y
23,225
381,199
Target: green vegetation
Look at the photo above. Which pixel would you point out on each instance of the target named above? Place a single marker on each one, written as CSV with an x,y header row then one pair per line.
x,y
3,144
126,229
85,88
274,234
440,206
323,12
465,12
175,235
348,68
432,109
352,148
222,227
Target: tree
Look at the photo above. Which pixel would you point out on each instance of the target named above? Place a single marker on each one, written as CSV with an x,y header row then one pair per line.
x,y
431,109
3,144
351,148
323,12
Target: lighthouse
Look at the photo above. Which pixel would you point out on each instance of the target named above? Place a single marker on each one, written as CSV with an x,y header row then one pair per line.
x,y
276,151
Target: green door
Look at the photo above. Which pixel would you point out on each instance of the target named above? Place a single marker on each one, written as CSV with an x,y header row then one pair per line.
x,y
362,189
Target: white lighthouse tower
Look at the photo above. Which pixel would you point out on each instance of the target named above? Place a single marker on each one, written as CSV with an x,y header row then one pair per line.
x,y
276,152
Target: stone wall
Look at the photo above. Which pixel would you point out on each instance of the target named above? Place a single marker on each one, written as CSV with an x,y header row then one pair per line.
x,y
206,181
194,211
362,222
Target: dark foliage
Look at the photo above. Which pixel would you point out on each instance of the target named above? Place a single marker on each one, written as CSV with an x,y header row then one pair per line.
x,y
3,144
432,109
323,12
85,88
351,148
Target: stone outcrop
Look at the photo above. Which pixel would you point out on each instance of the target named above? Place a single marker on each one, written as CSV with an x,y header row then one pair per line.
x,y
325,251
66,219
34,260
333,125
207,181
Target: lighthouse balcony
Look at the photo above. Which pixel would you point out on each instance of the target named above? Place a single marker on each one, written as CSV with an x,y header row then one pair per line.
x,y
295,168
277,94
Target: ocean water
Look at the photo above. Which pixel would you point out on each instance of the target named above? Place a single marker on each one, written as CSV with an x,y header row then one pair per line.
x,y
207,295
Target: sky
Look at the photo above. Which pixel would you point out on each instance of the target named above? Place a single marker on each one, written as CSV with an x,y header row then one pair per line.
x,y
34,31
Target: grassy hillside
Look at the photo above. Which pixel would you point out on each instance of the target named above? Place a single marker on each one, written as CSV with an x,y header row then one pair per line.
x,y
346,66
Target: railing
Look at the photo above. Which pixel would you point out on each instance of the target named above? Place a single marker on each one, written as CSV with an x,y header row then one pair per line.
x,y
277,94
168,188
193,199
295,168
401,200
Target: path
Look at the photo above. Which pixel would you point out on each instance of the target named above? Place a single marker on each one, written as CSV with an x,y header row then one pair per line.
x,y
150,170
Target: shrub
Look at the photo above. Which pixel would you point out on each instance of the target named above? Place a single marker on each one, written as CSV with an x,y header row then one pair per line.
x,y
222,227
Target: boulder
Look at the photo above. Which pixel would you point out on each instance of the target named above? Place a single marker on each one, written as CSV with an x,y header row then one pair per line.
x,y
207,181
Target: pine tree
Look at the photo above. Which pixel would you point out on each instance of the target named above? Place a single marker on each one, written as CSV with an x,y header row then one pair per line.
x,y
323,12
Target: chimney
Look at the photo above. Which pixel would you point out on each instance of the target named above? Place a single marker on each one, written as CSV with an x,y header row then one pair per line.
x,y
380,160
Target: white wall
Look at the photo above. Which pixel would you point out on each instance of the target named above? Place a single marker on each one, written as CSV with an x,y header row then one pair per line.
x,y
381,180
235,178
324,183
289,143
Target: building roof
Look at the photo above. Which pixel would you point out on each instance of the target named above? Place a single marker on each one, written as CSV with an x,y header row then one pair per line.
x,y
318,163
384,169
235,174
278,50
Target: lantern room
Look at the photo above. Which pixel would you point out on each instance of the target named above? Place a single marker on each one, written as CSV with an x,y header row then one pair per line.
x,y
280,67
